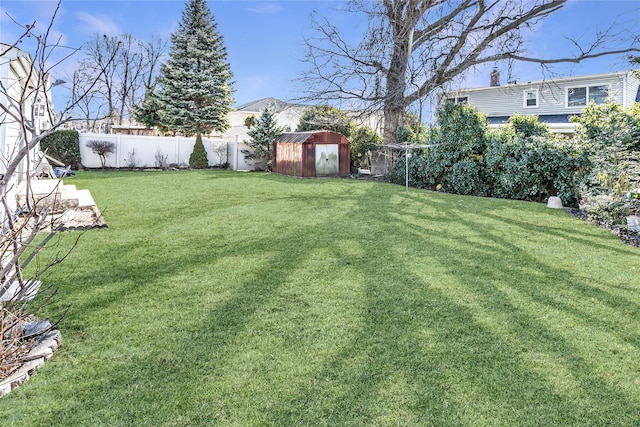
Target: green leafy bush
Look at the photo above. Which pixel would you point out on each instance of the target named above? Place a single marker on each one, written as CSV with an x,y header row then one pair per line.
x,y
63,145
417,168
519,161
363,139
534,167
612,134
460,138
198,158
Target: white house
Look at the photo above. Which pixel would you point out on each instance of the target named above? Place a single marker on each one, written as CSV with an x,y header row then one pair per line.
x,y
22,93
554,101
286,115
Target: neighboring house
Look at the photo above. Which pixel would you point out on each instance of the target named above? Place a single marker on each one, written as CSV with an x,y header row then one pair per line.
x,y
20,87
286,115
553,101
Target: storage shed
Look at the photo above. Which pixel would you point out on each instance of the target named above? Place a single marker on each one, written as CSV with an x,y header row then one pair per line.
x,y
314,153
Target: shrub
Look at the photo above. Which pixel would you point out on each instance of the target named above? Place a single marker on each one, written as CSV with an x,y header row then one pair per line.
x,y
363,140
460,137
198,158
102,149
418,171
520,161
527,126
534,167
612,134
63,145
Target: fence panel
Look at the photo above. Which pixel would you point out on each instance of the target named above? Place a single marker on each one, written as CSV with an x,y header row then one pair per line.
x,y
140,151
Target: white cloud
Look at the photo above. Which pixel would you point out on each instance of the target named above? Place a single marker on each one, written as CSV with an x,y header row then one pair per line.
x,y
98,24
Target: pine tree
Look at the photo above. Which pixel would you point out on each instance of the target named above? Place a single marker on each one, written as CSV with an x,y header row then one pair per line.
x,y
198,158
263,133
147,112
195,94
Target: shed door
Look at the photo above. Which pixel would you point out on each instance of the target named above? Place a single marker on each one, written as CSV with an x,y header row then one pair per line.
x,y
327,159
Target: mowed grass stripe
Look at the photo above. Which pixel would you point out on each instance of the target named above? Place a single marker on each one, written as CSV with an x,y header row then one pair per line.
x,y
224,298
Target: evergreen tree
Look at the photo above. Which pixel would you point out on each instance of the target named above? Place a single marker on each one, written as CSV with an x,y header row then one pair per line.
x,y
195,94
147,112
198,158
263,133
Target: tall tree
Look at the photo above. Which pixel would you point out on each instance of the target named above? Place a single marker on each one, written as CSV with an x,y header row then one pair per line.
x,y
263,132
412,48
122,83
326,117
195,94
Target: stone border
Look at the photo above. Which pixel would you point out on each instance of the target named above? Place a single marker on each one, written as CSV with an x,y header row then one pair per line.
x,y
39,355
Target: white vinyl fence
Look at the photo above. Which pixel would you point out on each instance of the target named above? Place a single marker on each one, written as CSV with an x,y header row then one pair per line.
x,y
134,151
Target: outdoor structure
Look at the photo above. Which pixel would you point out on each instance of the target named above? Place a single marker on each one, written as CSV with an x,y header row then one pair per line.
x,y
553,101
312,154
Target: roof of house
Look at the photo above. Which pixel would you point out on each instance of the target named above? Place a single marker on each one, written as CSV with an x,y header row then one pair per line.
x,y
545,81
274,105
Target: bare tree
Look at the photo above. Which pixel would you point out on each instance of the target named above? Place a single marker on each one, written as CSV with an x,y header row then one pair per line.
x,y
412,48
153,51
130,71
90,107
122,82
24,102
101,65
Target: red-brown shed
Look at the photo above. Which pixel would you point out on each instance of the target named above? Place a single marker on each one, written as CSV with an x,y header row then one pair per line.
x,y
314,153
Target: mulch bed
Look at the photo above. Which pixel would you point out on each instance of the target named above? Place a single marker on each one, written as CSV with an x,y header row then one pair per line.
x,y
621,231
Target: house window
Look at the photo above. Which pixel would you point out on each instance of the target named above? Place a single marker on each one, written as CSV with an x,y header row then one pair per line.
x,y
581,96
41,110
598,94
531,98
458,100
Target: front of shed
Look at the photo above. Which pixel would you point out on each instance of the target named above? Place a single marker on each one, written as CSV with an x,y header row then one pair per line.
x,y
312,154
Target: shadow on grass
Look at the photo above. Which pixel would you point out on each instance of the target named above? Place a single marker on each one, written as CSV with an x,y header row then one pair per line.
x,y
420,311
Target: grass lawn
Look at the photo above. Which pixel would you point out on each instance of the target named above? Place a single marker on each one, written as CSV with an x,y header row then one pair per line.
x,y
244,299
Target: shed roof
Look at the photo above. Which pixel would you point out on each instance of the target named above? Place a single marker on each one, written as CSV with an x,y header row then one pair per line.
x,y
299,137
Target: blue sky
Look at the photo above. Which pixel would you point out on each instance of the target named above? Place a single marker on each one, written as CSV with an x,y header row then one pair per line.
x,y
264,38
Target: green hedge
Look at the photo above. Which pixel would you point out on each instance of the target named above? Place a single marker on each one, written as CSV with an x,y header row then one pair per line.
x,y
63,145
522,160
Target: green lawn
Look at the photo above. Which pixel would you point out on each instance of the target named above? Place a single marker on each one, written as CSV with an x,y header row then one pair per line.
x,y
244,299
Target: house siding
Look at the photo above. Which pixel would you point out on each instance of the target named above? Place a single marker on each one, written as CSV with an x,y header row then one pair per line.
x,y
507,100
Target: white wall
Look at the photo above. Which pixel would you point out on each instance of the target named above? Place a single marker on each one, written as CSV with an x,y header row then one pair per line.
x,y
145,150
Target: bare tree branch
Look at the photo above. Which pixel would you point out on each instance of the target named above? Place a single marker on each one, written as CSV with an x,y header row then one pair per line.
x,y
413,48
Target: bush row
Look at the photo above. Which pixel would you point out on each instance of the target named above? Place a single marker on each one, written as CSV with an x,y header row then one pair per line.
x,y
521,160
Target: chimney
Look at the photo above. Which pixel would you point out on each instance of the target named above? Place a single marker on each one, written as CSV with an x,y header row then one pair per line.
x,y
495,77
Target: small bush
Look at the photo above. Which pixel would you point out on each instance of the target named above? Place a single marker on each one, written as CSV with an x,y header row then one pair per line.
x,y
102,149
198,158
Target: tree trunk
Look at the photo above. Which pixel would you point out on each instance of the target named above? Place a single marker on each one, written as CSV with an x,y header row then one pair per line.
x,y
395,101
